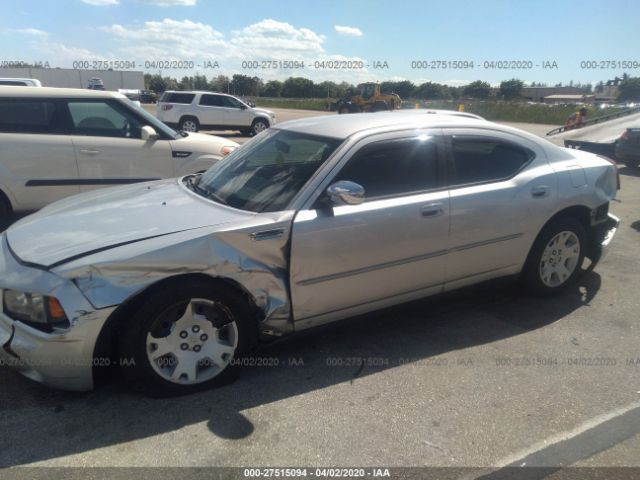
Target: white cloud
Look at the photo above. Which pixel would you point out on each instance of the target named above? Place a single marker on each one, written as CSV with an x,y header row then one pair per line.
x,y
34,32
62,55
170,3
348,31
170,39
101,3
279,40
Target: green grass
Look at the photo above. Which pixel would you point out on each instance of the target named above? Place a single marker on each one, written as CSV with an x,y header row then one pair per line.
x,y
522,112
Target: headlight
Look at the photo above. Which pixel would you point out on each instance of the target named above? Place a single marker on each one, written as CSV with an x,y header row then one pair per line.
x,y
226,150
33,307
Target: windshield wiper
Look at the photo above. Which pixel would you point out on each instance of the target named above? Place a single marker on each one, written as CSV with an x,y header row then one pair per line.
x,y
193,183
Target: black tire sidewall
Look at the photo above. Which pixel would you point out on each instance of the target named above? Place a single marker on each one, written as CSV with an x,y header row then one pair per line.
x,y
134,363
256,122
531,272
5,214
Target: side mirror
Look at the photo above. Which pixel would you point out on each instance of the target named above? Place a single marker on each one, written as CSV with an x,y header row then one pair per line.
x,y
148,133
346,192
243,107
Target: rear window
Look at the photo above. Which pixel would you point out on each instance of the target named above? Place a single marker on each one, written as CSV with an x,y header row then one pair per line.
x,y
173,97
28,116
15,83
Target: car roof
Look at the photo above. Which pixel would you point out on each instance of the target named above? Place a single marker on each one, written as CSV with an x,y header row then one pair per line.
x,y
54,92
198,91
343,126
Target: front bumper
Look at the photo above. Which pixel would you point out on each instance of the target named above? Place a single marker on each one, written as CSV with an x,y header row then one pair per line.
x,y
62,358
601,238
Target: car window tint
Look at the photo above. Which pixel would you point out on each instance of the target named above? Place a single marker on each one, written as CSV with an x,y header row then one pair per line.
x,y
394,167
103,120
211,100
29,116
177,97
477,159
231,102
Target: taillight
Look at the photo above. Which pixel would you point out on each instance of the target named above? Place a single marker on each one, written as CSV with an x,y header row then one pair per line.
x,y
227,150
615,165
166,107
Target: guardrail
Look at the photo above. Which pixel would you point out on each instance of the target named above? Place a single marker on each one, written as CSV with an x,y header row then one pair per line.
x,y
593,121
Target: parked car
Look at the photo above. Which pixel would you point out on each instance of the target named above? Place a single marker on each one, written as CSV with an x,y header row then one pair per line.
x,y
627,147
95,83
20,82
147,96
310,222
58,142
194,111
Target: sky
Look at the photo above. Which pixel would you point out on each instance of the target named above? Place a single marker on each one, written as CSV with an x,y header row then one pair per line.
x,y
382,39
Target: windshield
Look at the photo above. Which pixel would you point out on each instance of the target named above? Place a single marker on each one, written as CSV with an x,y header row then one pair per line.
x,y
266,174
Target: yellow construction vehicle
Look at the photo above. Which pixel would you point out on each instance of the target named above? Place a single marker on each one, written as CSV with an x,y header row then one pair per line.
x,y
369,100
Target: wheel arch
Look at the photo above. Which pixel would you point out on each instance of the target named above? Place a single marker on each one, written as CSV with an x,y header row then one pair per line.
x,y
106,346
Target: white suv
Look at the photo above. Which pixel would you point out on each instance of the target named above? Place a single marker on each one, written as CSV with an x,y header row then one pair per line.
x,y
192,111
57,142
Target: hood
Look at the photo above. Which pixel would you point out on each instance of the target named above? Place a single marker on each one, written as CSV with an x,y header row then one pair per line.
x,y
202,142
106,218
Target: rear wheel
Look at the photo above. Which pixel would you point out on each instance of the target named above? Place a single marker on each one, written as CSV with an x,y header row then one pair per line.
x,y
186,338
189,124
556,257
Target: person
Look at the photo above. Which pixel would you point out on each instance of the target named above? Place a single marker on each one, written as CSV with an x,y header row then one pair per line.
x,y
576,120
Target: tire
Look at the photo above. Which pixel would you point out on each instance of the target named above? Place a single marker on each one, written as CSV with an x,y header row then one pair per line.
x,y
631,163
5,213
555,260
180,368
343,110
380,106
189,124
259,125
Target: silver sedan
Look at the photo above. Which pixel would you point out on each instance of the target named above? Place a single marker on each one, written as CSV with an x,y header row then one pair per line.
x,y
175,282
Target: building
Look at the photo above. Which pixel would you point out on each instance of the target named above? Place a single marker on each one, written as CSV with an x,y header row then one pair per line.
x,y
536,94
564,98
72,78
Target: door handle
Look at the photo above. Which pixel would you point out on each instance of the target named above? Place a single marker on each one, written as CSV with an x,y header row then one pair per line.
x,y
541,191
89,151
431,210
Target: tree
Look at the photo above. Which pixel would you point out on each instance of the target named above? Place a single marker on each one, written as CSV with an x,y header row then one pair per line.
x,y
297,87
629,89
219,84
273,88
159,84
511,89
478,89
245,85
431,91
404,88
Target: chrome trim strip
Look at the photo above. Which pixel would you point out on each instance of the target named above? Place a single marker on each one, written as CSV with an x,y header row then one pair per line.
x,y
395,263
358,271
487,242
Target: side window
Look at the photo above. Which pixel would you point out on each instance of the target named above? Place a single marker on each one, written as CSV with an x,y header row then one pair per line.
x,y
211,100
29,116
174,97
394,167
102,119
231,102
485,159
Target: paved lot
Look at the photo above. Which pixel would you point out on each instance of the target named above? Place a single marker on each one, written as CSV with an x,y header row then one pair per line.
x,y
485,377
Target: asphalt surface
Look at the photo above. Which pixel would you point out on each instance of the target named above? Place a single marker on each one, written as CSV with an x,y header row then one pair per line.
x,y
486,377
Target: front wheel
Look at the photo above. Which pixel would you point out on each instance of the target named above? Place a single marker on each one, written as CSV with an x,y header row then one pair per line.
x,y
259,125
556,257
186,338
